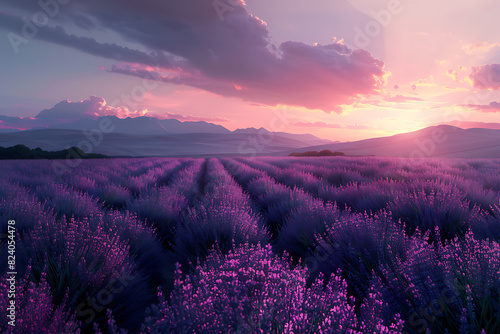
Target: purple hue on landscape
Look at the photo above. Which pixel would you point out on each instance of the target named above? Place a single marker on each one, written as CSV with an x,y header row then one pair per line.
x,y
254,245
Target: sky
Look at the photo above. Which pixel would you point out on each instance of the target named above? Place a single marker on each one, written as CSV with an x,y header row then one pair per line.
x,y
339,69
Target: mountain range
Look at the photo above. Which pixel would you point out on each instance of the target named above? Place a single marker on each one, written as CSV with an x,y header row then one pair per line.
x,y
145,126
441,141
149,136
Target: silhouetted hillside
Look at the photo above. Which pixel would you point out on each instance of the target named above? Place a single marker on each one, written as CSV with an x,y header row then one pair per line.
x,y
176,144
24,152
442,141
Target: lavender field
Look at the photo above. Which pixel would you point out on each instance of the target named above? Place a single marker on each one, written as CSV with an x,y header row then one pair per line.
x,y
262,245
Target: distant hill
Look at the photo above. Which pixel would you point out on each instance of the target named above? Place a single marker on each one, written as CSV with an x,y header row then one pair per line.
x,y
24,152
146,136
150,136
443,141
165,144
9,130
305,138
151,126
324,153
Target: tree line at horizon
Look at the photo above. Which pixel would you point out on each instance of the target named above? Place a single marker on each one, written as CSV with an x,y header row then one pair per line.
x,y
24,152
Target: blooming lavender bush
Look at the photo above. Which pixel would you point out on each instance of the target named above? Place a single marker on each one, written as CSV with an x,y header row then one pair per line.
x,y
269,245
250,291
35,310
277,202
365,197
115,196
223,216
299,239
449,288
16,203
435,205
357,245
80,261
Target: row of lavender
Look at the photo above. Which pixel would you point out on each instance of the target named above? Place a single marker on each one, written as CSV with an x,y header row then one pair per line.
x,y
255,245
432,242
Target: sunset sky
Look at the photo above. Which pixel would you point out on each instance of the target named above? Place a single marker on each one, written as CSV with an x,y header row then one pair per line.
x,y
341,70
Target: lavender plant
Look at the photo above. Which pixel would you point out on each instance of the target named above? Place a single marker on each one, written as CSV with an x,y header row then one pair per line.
x,y
270,245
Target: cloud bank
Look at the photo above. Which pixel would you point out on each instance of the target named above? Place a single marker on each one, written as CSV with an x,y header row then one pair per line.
x,y
492,107
93,107
223,50
486,77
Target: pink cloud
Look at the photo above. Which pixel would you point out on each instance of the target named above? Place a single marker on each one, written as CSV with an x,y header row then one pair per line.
x,y
93,107
486,77
67,111
3,127
486,108
124,113
217,52
401,98
184,118
315,77
19,123
328,125
479,48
